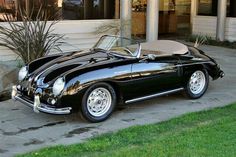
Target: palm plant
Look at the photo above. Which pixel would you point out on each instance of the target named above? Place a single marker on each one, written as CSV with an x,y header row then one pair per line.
x,y
32,37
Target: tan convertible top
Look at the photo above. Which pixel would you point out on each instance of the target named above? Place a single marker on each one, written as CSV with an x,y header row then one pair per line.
x,y
164,47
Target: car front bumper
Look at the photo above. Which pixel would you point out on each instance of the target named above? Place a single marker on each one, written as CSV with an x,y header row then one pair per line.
x,y
37,105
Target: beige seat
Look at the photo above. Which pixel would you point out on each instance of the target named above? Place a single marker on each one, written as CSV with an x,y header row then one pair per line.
x,y
163,47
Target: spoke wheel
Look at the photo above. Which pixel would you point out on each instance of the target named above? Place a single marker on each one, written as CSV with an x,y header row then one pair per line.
x,y
197,84
98,102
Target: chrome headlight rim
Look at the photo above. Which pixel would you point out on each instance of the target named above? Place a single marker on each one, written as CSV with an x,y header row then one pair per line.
x,y
58,86
23,72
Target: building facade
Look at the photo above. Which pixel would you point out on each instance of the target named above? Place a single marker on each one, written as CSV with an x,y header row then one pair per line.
x,y
144,18
216,18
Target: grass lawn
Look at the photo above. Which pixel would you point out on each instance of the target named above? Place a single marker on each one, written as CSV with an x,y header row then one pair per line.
x,y
208,133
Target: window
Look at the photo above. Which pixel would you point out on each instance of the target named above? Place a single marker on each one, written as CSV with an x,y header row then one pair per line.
x,y
89,9
67,9
231,8
207,7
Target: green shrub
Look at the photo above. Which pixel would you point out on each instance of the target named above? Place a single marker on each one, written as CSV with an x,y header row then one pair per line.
x,y
208,40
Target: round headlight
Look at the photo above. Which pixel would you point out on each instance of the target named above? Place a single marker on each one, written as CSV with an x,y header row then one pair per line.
x,y
22,73
58,86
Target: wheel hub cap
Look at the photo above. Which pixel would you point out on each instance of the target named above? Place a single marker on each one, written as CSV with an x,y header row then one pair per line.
x,y
197,82
99,102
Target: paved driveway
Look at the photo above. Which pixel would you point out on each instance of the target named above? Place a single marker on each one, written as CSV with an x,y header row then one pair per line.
x,y
21,130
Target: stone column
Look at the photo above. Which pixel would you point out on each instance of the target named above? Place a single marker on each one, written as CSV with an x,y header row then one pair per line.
x,y
221,20
194,8
125,17
152,20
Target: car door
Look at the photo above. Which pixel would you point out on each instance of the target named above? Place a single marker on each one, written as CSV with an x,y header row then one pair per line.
x,y
154,76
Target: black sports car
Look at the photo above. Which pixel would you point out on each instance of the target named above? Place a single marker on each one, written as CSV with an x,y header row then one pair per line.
x,y
115,71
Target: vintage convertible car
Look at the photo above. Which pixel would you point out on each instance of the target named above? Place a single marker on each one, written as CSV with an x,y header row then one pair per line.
x,y
115,71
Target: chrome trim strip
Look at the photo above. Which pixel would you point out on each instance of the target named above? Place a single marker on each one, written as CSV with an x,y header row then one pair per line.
x,y
43,107
194,63
153,95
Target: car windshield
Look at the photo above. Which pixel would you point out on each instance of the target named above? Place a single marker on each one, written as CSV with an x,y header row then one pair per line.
x,y
118,46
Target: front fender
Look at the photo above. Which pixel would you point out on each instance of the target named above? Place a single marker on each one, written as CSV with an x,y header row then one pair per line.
x,y
34,65
76,87
85,80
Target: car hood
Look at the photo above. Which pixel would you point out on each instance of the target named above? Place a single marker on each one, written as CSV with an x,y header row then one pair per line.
x,y
65,64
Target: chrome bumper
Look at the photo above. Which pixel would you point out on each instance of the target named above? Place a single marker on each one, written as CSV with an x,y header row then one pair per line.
x,y
37,105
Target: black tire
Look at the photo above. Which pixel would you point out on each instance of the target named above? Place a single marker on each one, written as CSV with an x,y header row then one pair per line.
x,y
190,92
87,112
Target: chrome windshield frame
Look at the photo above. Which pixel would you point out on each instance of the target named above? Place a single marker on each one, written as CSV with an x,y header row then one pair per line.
x,y
135,54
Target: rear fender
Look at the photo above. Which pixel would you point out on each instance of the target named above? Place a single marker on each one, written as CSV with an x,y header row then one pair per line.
x,y
189,70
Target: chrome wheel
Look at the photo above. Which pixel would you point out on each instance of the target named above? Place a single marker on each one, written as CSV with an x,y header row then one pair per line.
x,y
197,82
99,102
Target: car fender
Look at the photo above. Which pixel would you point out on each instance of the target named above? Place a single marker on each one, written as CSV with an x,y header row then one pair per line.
x,y
34,65
82,79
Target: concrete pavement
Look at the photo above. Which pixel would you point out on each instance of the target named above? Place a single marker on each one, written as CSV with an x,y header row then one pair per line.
x,y
22,130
